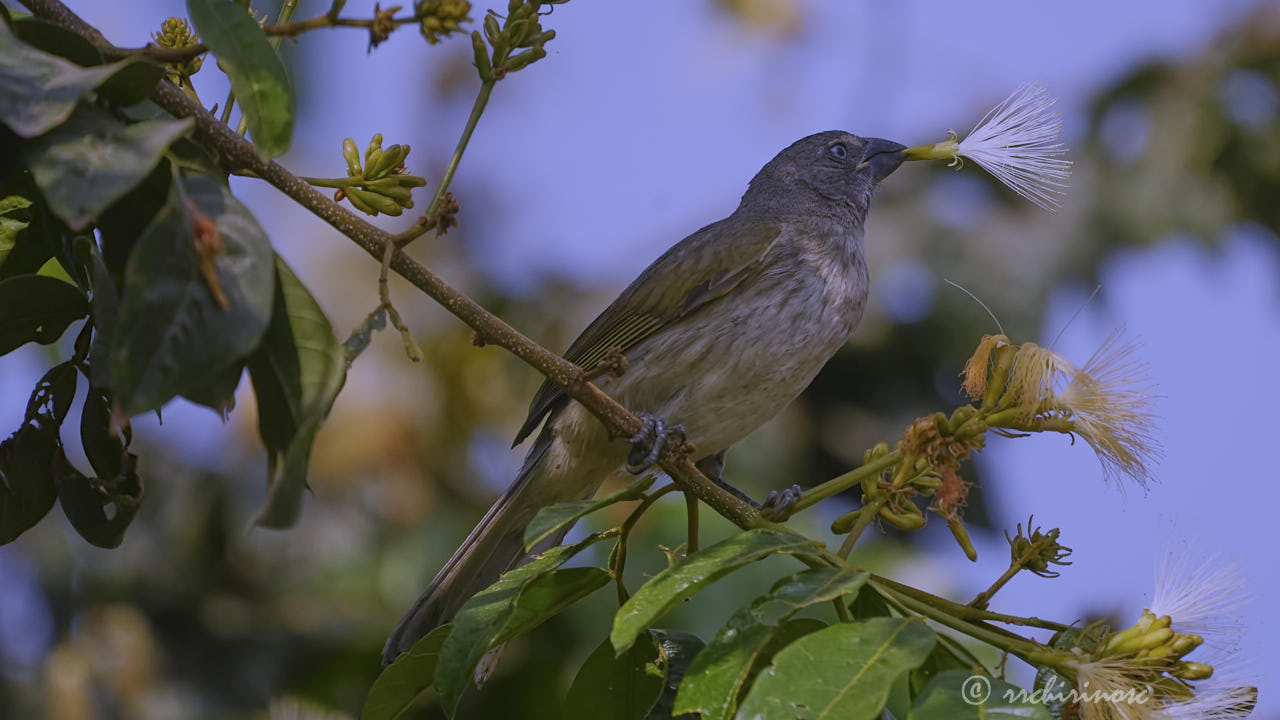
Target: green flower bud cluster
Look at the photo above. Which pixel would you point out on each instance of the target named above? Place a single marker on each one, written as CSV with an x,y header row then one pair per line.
x,y
1151,641
176,34
1037,552
517,41
384,186
441,18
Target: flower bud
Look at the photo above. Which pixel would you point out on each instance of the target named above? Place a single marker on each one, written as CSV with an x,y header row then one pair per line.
x,y
1192,671
375,144
524,59
351,154
176,34
481,56
441,18
845,523
908,518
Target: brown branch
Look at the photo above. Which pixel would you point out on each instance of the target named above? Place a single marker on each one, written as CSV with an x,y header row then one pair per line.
x,y
239,155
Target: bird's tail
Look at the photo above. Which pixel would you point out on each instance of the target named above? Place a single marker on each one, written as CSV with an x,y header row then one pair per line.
x,y
497,542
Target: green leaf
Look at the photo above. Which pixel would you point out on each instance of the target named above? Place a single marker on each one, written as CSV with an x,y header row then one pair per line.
x,y
296,373
720,672
33,244
107,449
133,84
36,308
677,649
92,160
104,304
555,517
961,695
38,91
618,687
840,673
401,682
868,603
99,510
122,223
172,336
219,394
256,73
946,656
480,624
672,586
11,226
27,488
546,596
57,40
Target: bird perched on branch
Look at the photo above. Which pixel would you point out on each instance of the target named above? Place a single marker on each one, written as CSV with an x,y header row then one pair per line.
x,y
720,334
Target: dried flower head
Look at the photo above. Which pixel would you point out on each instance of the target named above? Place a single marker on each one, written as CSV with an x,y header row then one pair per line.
x,y
978,367
1109,402
1106,402
1017,142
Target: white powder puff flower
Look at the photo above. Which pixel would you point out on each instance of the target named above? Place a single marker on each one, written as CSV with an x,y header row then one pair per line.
x,y
1203,597
1017,142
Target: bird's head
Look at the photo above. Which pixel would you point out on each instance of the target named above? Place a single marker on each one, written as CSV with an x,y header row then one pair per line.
x,y
835,165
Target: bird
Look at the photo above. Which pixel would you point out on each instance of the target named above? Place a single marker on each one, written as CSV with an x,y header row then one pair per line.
x,y
720,333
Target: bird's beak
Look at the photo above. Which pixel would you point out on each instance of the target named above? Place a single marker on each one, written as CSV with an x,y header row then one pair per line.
x,y
884,156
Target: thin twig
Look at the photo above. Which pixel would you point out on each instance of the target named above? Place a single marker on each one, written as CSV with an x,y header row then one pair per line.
x,y
619,564
281,29
433,210
384,294
691,516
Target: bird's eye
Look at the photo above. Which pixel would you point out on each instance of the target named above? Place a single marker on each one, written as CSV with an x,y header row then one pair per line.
x,y
839,151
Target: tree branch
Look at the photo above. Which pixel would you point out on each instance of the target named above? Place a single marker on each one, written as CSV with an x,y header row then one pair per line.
x,y
239,155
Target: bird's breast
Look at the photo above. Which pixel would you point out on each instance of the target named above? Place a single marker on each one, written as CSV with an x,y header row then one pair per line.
x,y
728,368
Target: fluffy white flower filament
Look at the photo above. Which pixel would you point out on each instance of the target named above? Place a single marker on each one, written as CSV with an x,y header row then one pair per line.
x,y
1201,597
1112,689
1103,402
1017,142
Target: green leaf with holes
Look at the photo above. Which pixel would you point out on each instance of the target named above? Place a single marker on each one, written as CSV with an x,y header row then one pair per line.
x,y
27,486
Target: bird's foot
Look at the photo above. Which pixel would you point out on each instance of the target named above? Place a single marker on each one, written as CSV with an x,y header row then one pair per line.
x,y
777,506
647,444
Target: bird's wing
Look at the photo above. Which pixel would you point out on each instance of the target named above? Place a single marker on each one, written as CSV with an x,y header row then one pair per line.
x,y
696,271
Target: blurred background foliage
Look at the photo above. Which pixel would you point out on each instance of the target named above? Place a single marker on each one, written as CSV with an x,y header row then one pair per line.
x,y
195,616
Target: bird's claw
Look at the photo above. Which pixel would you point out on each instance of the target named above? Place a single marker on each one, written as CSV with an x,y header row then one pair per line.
x,y
647,444
778,504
